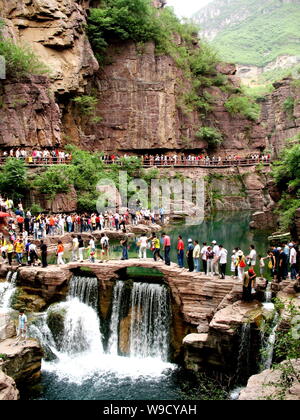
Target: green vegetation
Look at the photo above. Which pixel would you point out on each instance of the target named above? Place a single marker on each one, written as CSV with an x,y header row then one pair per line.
x,y
86,104
286,348
212,135
20,60
13,178
243,105
286,173
289,105
259,32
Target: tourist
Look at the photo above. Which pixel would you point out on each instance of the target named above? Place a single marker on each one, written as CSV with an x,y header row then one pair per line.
x,y
104,242
162,215
80,248
32,250
293,261
204,257
189,255
241,264
216,251
233,267
142,244
155,247
196,256
272,264
124,243
92,249
19,249
22,327
180,251
249,284
167,248
10,252
282,265
222,258
261,266
75,248
209,259
251,258
43,248
60,253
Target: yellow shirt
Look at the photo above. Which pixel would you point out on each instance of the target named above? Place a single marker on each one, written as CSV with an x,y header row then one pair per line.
x,y
19,247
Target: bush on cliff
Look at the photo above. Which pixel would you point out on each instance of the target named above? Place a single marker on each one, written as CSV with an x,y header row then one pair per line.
x,y
20,60
286,173
243,105
13,179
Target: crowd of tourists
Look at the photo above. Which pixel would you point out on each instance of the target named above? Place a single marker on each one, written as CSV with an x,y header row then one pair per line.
x,y
184,159
58,156
39,156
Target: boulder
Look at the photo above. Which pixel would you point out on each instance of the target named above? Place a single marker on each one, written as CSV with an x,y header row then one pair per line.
x,y
8,389
7,327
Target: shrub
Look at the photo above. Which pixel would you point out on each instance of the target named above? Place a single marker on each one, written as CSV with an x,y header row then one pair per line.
x,y
14,178
243,105
20,60
86,104
210,134
289,105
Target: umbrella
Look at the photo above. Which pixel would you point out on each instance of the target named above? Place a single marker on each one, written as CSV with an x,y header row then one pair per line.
x,y
4,214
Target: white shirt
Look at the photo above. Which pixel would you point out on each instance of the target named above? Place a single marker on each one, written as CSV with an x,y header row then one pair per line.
x,y
203,252
223,256
252,256
143,241
216,250
75,243
293,256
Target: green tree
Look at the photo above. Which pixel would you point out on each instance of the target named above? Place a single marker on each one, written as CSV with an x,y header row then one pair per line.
x,y
14,179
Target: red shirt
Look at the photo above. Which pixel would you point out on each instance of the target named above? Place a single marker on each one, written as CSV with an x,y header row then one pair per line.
x,y
180,245
167,240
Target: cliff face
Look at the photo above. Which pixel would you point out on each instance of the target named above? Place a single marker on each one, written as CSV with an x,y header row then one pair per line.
x,y
280,121
139,93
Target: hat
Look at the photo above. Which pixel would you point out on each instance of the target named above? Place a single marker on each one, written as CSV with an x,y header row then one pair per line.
x,y
279,248
190,240
240,253
291,244
214,242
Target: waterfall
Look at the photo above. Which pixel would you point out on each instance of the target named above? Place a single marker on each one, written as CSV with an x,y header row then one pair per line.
x,y
268,293
115,318
243,361
85,289
268,345
7,290
150,317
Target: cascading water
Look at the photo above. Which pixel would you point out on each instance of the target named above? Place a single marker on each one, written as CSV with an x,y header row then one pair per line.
x,y
7,290
243,362
115,318
268,345
80,359
150,318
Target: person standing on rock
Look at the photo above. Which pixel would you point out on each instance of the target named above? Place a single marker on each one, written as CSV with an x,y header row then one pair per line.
x,y
80,248
241,264
75,248
22,328
155,242
180,251
104,242
204,257
92,249
189,255
196,256
216,251
222,261
43,248
124,243
142,243
60,253
249,278
167,247
251,258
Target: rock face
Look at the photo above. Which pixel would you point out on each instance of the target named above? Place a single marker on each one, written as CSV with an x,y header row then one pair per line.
x,y
7,327
281,122
22,362
260,386
54,29
8,390
28,113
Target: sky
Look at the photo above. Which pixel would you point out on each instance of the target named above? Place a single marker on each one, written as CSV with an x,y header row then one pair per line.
x,y
185,8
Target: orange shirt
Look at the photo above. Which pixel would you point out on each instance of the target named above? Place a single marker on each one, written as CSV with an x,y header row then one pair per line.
x,y
60,248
